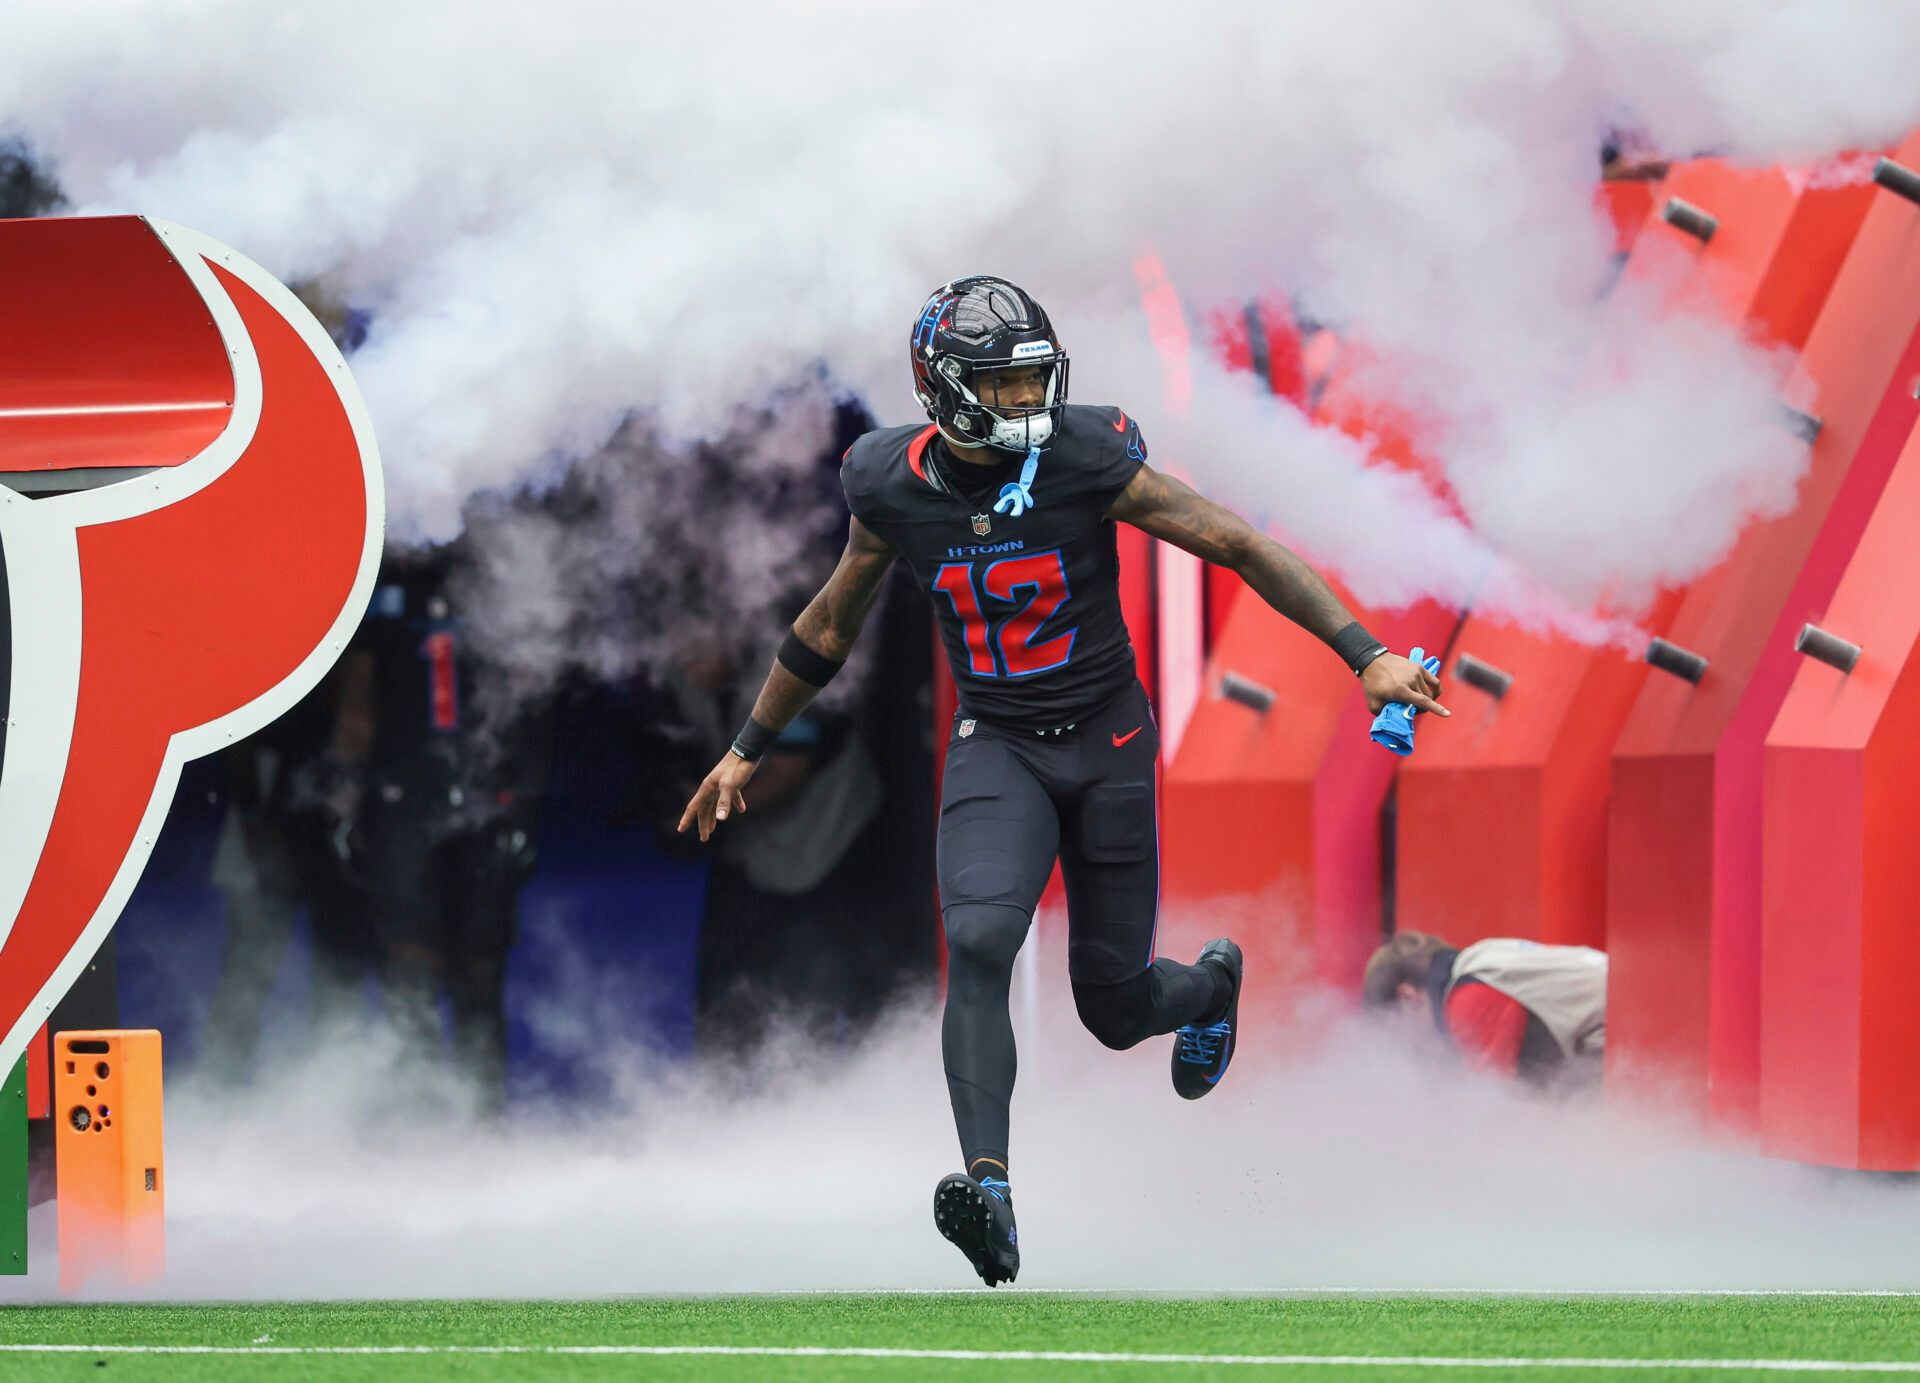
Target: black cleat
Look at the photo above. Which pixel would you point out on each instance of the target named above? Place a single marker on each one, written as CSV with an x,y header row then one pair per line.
x,y
1201,1051
977,1218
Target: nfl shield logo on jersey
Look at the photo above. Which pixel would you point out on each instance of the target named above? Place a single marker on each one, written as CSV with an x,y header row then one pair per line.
x,y
966,728
982,524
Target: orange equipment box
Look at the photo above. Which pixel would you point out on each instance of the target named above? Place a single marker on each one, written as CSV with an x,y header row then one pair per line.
x,y
111,1182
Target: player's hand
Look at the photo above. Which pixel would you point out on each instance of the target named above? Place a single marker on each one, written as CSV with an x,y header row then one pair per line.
x,y
1393,678
719,795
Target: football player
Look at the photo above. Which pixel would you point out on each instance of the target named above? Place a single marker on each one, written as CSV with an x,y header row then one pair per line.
x,y
1004,505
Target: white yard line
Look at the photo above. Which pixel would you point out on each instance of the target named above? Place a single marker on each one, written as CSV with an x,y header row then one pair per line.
x,y
1014,1356
1272,1292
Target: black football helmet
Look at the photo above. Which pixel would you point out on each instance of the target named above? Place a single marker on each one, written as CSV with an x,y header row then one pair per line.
x,y
971,330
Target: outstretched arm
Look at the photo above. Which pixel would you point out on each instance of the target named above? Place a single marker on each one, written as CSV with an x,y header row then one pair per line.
x,y
1173,512
827,629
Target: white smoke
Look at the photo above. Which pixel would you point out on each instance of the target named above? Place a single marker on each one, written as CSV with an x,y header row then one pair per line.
x,y
1333,1156
560,216
732,539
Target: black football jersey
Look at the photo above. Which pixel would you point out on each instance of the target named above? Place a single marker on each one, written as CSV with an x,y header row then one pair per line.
x,y
1029,607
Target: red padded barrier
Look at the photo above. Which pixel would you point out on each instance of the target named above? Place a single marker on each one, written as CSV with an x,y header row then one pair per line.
x,y
1502,817
1795,288
84,388
1626,202
1280,810
1839,1025
1502,810
1684,910
1222,590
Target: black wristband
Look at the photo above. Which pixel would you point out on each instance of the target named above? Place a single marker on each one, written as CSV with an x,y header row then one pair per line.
x,y
812,668
1357,647
753,740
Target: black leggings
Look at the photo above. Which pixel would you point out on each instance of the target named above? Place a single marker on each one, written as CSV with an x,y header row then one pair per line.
x,y
1012,804
976,1035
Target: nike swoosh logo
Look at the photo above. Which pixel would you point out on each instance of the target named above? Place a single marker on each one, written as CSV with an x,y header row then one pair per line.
x,y
1214,1079
1120,423
1119,740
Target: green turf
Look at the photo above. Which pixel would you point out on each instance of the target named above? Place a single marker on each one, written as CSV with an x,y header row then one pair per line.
x,y
1834,1328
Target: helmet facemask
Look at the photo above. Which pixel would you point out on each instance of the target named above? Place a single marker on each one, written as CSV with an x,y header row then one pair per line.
x,y
984,419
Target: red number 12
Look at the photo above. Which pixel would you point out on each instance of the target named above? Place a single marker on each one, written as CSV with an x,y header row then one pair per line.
x,y
1042,573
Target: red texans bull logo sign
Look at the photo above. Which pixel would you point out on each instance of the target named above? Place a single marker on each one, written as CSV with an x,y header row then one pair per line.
x,y
189,533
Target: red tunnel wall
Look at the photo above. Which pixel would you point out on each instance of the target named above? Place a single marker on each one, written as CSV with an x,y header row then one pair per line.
x,y
1278,814
1503,816
1280,810
1840,1031
1684,907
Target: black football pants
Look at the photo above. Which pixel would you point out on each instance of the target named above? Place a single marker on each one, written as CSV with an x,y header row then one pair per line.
x,y
1013,802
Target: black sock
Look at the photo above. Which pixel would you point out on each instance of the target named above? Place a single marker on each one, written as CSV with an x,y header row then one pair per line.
x,y
980,1168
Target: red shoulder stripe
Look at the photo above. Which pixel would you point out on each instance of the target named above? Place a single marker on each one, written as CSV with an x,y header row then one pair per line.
x,y
917,448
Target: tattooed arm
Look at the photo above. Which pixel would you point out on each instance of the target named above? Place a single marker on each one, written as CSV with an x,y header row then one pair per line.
x,y
828,627
1172,511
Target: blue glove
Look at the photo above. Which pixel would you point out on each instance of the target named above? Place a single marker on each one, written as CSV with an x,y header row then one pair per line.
x,y
1393,727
